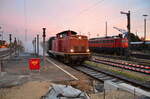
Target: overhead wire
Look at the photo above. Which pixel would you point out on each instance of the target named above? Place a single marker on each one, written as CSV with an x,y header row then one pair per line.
x,y
87,9
93,6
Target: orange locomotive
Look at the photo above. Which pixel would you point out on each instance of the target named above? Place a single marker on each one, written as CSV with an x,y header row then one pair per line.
x,y
117,45
69,47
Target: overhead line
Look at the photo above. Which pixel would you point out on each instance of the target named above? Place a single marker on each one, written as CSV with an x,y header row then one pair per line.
x,y
97,3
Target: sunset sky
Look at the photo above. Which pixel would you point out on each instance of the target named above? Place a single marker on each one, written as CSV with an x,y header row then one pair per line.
x,y
82,16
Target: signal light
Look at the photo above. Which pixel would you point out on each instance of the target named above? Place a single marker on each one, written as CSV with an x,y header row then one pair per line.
x,y
87,50
71,50
79,37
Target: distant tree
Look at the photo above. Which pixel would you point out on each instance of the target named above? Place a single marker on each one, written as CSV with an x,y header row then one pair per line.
x,y
142,38
134,38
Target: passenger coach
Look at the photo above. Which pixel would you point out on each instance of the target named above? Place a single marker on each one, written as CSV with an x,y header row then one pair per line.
x,y
109,45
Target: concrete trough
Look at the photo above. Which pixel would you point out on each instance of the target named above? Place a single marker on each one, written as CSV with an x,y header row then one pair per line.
x,y
134,90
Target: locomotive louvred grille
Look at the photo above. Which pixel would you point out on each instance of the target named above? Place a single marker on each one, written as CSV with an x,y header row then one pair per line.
x,y
79,49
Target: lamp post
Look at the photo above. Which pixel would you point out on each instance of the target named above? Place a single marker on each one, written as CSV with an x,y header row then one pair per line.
x,y
128,23
145,26
44,36
38,45
10,45
1,32
128,27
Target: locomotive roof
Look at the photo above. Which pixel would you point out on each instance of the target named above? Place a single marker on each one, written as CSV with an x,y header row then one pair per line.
x,y
65,32
108,37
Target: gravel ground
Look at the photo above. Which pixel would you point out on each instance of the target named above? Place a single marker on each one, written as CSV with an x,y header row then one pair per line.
x,y
117,94
29,90
85,83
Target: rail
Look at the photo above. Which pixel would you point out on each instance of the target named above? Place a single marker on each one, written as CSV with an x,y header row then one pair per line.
x,y
102,75
125,65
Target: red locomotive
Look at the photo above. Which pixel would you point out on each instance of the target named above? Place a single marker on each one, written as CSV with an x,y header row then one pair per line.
x,y
116,45
69,47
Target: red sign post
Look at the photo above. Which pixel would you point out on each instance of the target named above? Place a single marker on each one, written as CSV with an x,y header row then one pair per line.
x,y
34,64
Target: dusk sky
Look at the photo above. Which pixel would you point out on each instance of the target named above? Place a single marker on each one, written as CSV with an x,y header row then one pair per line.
x,y
82,16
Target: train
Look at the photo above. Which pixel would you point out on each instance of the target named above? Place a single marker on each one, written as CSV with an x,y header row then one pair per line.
x,y
3,44
110,45
69,47
141,45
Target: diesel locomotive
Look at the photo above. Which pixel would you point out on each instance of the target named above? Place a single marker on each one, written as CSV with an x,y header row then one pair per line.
x,y
69,47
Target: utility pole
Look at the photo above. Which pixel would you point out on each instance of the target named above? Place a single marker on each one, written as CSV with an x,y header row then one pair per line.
x,y
106,28
128,27
128,23
89,34
44,35
97,34
10,45
18,46
38,45
2,35
145,26
35,45
15,45
1,32
10,38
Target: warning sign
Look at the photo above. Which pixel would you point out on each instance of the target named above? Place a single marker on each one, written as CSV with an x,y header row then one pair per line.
x,y
34,64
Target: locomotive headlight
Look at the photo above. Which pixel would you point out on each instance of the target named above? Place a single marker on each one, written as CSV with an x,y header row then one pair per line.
x,y
79,37
71,50
87,50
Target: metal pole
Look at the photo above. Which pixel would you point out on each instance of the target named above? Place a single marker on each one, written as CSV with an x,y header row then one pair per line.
x,y
145,27
35,45
128,20
10,38
18,47
15,45
89,34
2,35
10,45
44,35
129,29
106,28
134,93
38,45
104,93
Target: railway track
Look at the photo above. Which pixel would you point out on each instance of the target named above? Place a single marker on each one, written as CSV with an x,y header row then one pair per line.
x,y
142,56
135,60
103,75
4,53
124,65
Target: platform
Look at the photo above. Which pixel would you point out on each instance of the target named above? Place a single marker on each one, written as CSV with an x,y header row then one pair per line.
x,y
16,71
